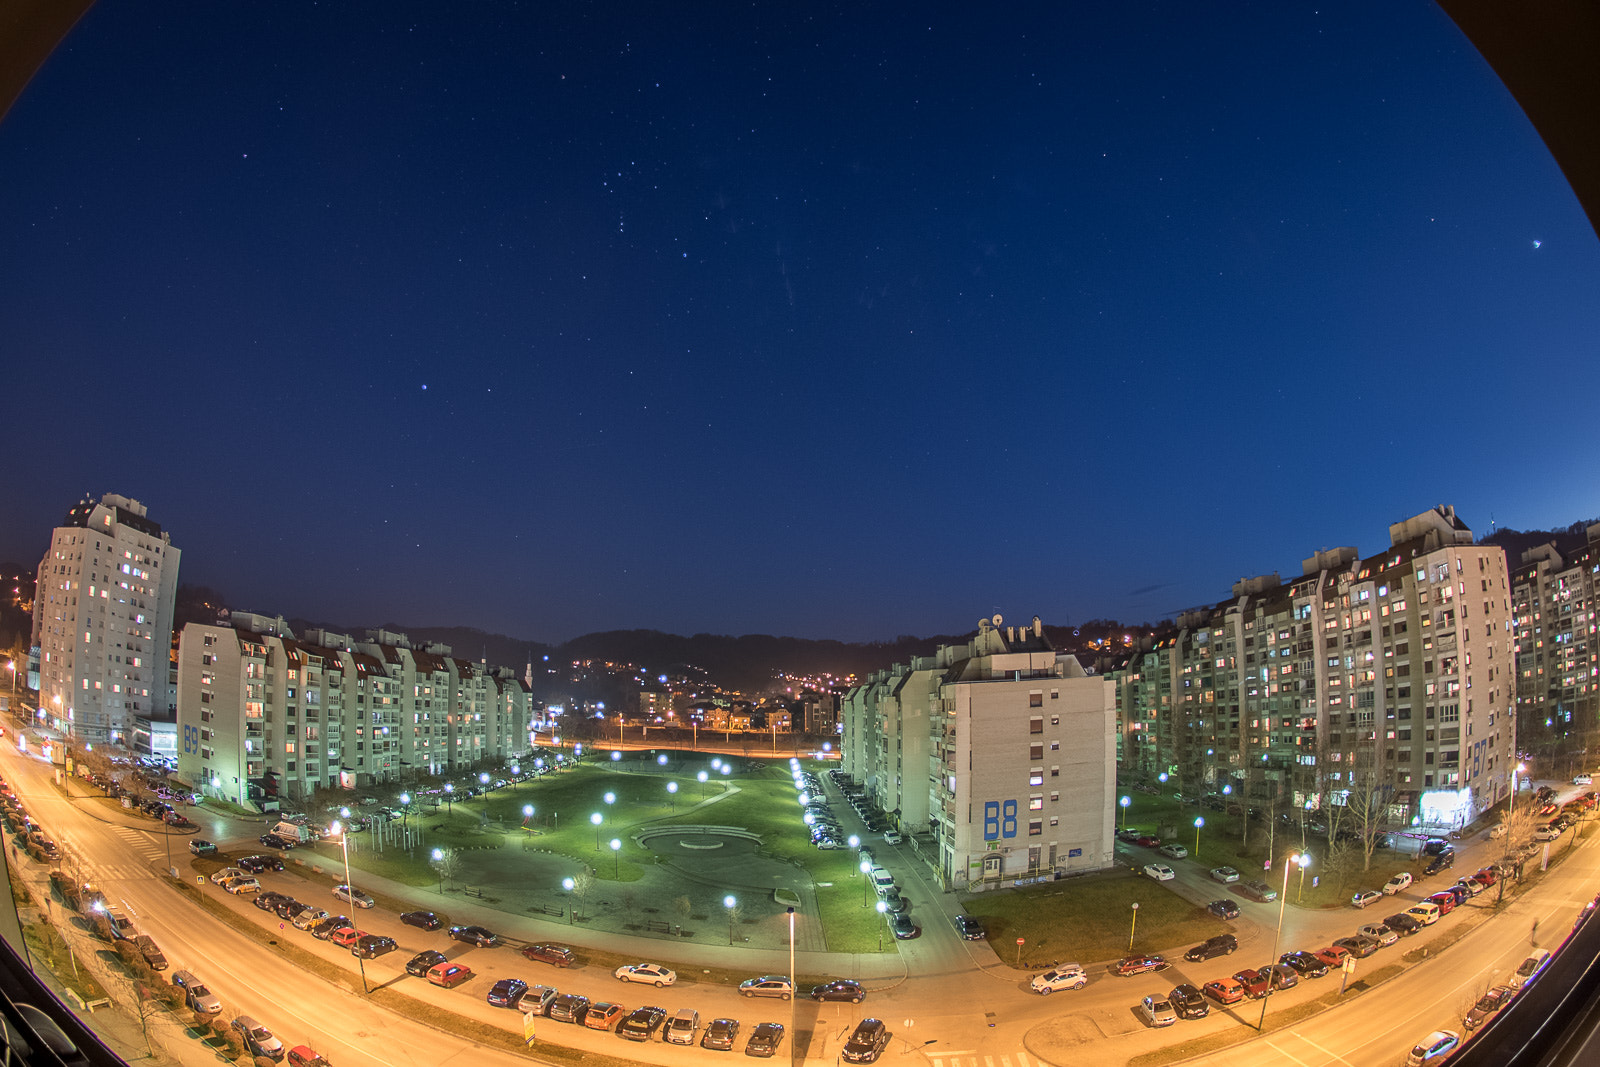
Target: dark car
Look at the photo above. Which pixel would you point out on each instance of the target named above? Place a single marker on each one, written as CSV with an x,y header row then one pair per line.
x,y
904,928
152,955
1402,924
641,1023
419,964
843,989
1146,841
257,864
371,946
287,908
544,952
568,1007
867,1042
475,935
1358,945
283,844
1442,862
425,920
1212,947
1435,846
507,992
1189,1002
764,1039
329,926
969,928
1487,1005
1305,964
269,900
202,848
1223,909
720,1034
1256,983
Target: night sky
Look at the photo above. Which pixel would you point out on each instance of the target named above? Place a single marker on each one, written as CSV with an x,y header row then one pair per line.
x,y
840,321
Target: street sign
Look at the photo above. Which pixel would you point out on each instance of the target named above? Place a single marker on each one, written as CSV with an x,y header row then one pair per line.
x,y
527,1027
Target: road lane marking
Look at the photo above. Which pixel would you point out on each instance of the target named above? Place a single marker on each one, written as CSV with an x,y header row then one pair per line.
x,y
1326,1052
1286,1053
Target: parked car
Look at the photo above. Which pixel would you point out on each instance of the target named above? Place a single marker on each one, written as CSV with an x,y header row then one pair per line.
x,y
1492,1001
1223,909
423,920
903,928
258,1039
419,965
1225,875
242,886
1062,976
840,989
474,935
1365,897
1130,965
352,895
1403,923
371,946
196,996
764,1040
259,864
866,1042
969,928
507,992
1436,1046
1358,945
641,1023
1146,841
1334,956
449,975
1442,862
1530,969
200,847
603,1015
1255,983
152,955
770,985
1257,890
545,952
346,936
1157,1011
682,1027
1225,990
1381,933
1177,852
1305,964
1212,947
720,1034
1188,1002
1160,872
648,973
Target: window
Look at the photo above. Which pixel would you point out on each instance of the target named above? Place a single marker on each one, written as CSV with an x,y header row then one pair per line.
x,y
1036,750
1035,827
1036,776
1055,720
1036,725
1036,699
1036,802
1055,746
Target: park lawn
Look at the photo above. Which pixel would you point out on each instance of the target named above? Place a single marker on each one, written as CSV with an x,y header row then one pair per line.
x,y
1089,919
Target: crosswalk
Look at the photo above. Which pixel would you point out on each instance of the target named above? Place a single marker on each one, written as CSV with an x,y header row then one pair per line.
x,y
967,1059
140,843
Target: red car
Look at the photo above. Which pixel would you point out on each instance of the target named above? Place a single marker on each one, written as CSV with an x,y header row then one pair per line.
x,y
1446,902
1149,842
346,936
1485,877
1140,964
1224,990
1255,982
1334,955
302,1056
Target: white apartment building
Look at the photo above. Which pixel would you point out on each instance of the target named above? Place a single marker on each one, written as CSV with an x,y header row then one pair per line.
x,y
998,756
102,620
1555,596
261,712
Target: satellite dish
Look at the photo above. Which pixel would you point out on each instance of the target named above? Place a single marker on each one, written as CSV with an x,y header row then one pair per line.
x,y
998,619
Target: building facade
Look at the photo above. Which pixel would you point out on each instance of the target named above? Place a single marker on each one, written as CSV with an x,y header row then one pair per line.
x,y
1555,596
102,621
262,713
997,756
1381,685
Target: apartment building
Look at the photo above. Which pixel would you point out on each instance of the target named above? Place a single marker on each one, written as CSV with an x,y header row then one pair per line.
x,y
1383,684
102,620
1554,599
262,713
998,755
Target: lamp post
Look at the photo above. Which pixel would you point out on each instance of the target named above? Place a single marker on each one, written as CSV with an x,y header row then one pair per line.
x,y
567,883
702,776
672,794
1199,821
866,883
1122,816
516,772
344,843
792,1000
1133,926
730,902
853,841
1277,939
449,798
527,815
616,858
883,907
597,819
438,859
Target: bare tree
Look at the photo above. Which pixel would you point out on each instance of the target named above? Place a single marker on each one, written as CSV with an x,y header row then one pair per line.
x,y
1367,814
448,863
684,907
582,883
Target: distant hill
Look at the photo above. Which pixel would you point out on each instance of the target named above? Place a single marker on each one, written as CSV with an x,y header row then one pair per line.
x,y
1516,542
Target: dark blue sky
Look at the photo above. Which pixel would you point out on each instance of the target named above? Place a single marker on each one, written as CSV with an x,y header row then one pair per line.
x,y
842,321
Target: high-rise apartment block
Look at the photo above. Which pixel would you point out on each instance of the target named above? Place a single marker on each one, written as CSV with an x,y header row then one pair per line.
x,y
102,620
1383,684
997,755
262,713
1555,596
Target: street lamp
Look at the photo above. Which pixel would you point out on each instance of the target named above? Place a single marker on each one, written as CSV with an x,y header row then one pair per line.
x,y
1199,821
1133,926
883,906
866,883
597,819
567,883
527,813
730,902
672,792
438,859
344,843
702,777
854,841
616,858
1304,861
1122,816
449,798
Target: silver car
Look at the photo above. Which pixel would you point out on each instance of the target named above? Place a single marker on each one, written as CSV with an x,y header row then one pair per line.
x,y
1157,1011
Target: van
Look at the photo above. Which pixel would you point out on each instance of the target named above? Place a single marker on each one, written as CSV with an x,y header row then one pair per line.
x,y
449,975
1427,913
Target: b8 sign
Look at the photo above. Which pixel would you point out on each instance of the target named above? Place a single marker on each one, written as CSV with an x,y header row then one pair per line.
x,y
191,739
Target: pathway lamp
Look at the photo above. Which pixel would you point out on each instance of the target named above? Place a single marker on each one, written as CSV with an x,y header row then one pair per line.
x,y
616,858
1199,821
449,797
672,791
567,884
731,903
883,907
1133,926
866,883
597,819
438,858
1123,814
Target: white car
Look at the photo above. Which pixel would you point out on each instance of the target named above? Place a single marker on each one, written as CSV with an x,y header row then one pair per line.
x,y
1064,976
1397,883
1365,897
1160,872
1434,1047
1546,833
1530,968
226,873
647,973
1583,779
892,837
240,886
1177,852
1225,875
1379,933
351,895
